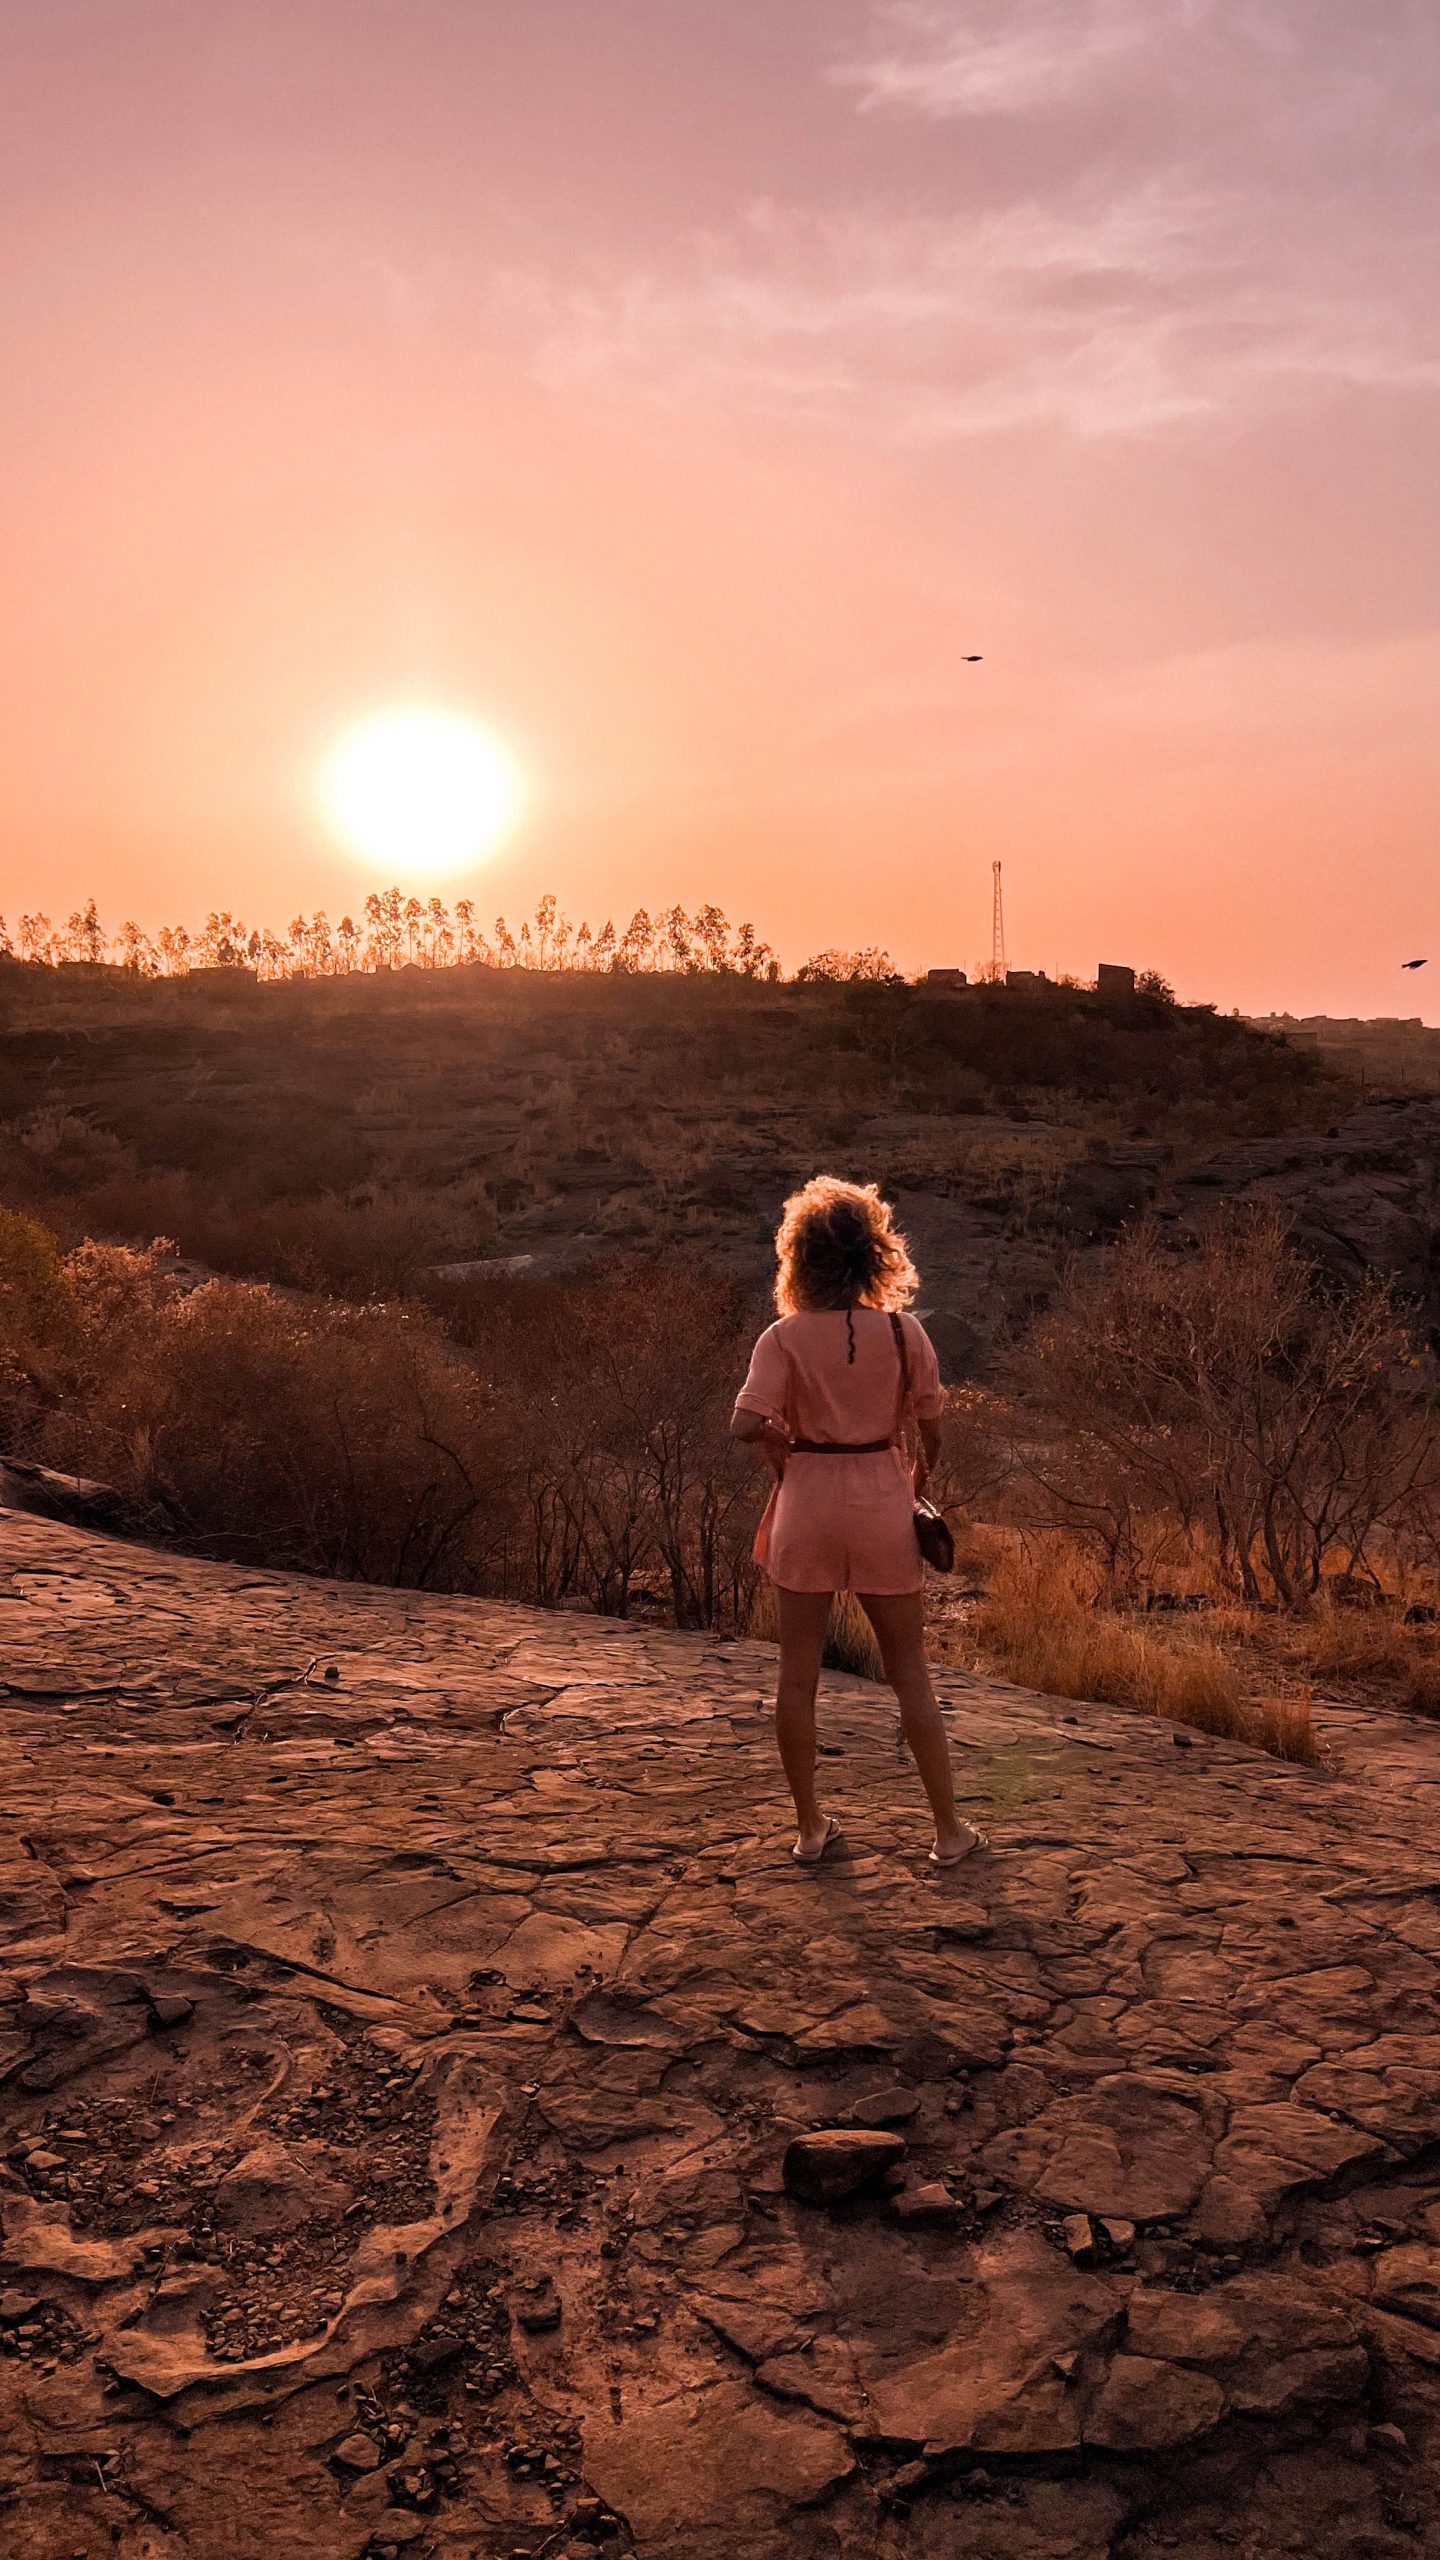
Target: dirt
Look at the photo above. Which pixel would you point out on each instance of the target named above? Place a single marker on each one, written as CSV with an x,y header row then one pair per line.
x,y
396,2090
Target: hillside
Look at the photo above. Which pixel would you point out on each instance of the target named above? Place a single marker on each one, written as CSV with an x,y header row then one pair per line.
x,y
358,1133
408,2006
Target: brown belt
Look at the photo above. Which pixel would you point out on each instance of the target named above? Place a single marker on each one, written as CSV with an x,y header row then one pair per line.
x,y
837,1448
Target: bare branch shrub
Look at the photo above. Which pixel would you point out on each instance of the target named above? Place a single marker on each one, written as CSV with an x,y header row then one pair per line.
x,y
1226,1397
616,1395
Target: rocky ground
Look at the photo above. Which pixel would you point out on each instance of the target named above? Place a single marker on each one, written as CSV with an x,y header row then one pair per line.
x,y
410,2010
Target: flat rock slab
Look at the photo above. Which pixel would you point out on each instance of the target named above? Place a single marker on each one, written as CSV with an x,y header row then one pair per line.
x,y
407,2009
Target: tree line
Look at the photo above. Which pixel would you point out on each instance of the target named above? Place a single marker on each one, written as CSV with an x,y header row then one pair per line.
x,y
395,931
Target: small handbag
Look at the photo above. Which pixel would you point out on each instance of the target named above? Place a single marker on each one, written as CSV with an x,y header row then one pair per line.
x,y
932,1529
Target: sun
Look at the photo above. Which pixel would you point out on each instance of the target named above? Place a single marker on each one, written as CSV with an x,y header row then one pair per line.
x,y
421,792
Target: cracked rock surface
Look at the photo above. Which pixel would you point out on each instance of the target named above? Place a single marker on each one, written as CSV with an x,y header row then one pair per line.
x,y
406,2008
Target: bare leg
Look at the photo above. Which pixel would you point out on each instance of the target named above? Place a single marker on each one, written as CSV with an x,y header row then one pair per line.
x,y
898,1619
804,1616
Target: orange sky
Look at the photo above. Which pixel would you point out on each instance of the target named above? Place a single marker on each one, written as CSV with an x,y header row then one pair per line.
x,y
685,387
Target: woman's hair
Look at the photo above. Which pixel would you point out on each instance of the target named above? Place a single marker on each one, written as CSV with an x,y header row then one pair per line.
x,y
837,1245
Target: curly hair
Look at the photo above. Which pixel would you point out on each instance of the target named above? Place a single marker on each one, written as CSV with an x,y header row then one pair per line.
x,y
837,1245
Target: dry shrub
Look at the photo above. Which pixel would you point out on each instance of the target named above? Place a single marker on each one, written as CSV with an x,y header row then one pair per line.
x,y
1196,1684
328,1439
615,1391
378,1244
978,1549
375,1244
547,1443
257,1215
29,1276
976,1462
1040,1626
1231,1394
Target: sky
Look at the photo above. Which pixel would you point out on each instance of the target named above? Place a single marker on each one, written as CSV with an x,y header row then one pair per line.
x,y
685,389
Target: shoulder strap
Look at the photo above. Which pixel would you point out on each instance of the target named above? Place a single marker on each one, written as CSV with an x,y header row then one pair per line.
x,y
902,1349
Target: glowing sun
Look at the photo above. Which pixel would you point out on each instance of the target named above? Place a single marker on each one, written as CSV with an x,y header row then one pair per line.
x,y
421,792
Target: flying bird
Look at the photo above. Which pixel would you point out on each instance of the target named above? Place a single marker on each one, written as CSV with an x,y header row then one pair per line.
x,y
976,661
1412,964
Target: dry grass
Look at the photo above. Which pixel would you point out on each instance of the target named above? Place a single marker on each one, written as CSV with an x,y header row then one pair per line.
x,y
1041,1626
849,1641
1285,1727
1420,1690
1352,1644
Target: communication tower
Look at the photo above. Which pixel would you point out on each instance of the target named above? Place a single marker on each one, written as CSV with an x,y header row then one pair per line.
x,y
997,954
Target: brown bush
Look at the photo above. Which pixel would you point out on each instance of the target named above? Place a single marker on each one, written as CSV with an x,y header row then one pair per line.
x,y
1285,1727
1226,1396
549,1443
376,1243
338,1440
1420,1689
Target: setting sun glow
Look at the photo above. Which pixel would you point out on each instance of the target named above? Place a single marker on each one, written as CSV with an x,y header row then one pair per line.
x,y
421,793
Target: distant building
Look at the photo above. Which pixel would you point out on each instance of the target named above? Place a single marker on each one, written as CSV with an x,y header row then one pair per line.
x,y
1400,1054
1029,978
1111,979
946,978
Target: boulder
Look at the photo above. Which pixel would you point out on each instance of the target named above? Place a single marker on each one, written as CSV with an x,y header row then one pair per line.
x,y
824,2168
51,1496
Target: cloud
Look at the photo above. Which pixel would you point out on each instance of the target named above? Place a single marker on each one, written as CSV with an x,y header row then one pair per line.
x,y
1244,64
1253,230
933,60
1131,315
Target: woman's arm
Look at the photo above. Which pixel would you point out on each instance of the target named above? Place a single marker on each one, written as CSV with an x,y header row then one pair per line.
x,y
927,1453
757,1431
756,1421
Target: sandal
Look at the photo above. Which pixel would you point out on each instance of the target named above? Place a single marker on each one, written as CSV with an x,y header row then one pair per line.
x,y
978,1840
812,1857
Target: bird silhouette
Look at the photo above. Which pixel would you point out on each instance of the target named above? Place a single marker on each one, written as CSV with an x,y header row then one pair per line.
x,y
1413,964
976,661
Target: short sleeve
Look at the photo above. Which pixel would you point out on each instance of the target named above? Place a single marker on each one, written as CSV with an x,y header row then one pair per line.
x,y
768,1382
927,1396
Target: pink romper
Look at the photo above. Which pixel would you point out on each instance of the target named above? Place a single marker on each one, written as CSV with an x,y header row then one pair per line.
x,y
841,1524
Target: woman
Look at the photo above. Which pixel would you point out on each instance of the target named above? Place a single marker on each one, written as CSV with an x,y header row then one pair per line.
x,y
826,1404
